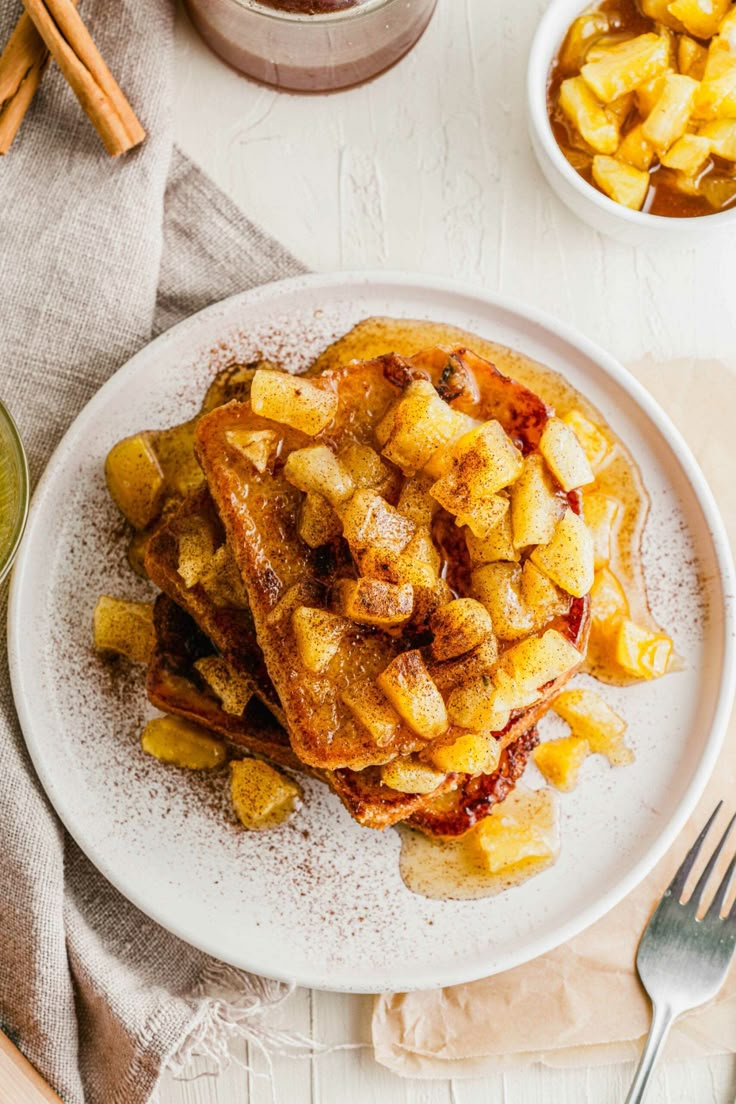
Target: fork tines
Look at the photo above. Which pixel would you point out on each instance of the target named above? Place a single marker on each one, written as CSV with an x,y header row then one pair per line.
x,y
695,900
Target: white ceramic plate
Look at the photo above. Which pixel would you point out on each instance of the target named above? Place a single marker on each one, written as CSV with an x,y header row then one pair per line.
x,y
321,900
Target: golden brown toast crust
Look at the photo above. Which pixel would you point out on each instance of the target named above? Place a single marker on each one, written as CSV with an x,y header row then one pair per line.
x,y
230,628
174,686
259,513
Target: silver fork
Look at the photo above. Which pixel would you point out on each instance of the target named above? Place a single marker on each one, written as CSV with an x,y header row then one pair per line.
x,y
683,961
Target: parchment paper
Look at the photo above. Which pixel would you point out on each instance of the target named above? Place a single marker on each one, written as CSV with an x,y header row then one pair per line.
x,y
582,1004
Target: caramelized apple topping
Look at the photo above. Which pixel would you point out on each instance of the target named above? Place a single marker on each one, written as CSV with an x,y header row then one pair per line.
x,y
642,101
263,798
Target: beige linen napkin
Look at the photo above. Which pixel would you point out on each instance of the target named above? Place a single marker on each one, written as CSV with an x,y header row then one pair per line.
x,y
582,1004
97,256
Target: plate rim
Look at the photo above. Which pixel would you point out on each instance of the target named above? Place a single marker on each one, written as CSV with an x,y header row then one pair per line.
x,y
451,973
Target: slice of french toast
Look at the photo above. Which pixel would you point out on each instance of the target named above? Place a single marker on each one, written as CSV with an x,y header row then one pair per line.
x,y
175,685
188,558
413,517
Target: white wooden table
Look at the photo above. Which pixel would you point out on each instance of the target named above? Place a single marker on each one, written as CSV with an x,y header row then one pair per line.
x,y
429,168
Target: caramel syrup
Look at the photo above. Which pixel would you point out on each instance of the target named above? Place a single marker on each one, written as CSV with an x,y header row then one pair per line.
x,y
452,869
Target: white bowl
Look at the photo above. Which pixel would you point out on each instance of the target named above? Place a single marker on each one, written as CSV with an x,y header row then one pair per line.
x,y
592,206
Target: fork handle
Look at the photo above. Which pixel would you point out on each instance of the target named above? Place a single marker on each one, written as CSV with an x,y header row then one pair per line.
x,y
663,1017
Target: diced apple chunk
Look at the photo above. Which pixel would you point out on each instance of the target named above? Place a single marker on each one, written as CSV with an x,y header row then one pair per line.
x,y
316,469
262,797
626,66
636,150
318,636
256,445
621,182
410,775
542,598
416,503
535,505
508,694
716,96
364,466
659,11
687,155
601,512
592,719
484,461
318,522
135,479
599,49
700,17
669,117
596,125
481,513
451,673
565,455
621,108
427,599
474,706
420,561
720,134
442,459
407,684
607,599
124,628
560,761
369,706
539,660
418,564
593,440
497,545
370,522
489,453
417,425
233,690
498,587
375,602
293,401
182,744
727,29
647,94
458,627
691,57
471,753
641,652
521,834
569,557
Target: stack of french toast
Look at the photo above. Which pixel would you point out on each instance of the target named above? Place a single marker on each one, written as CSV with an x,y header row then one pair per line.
x,y
378,573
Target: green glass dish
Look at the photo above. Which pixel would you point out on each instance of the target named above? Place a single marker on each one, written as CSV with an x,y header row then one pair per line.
x,y
14,491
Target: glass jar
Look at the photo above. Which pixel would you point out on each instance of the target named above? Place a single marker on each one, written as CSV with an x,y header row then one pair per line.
x,y
14,491
311,45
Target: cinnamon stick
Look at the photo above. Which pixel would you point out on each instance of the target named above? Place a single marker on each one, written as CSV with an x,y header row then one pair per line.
x,y
22,65
72,47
